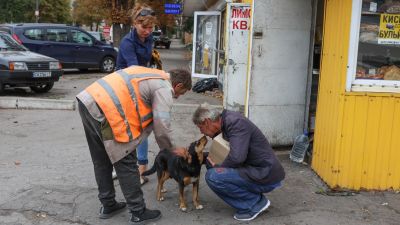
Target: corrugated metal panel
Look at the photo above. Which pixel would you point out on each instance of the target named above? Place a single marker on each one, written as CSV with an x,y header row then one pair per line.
x,y
370,143
357,134
334,58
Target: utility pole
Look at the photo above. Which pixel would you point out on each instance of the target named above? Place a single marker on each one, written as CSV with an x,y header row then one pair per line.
x,y
37,11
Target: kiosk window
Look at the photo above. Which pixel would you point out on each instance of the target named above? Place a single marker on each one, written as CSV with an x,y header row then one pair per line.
x,y
379,42
374,54
205,44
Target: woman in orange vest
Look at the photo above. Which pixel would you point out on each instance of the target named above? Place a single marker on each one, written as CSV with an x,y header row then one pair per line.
x,y
118,111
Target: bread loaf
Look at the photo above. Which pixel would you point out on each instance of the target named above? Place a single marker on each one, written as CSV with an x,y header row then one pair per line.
x,y
392,73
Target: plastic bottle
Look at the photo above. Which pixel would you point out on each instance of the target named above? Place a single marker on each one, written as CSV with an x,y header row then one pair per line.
x,y
299,148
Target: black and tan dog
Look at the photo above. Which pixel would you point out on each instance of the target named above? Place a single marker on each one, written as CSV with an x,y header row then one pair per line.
x,y
185,170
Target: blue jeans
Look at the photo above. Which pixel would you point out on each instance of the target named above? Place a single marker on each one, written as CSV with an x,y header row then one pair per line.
x,y
142,150
237,192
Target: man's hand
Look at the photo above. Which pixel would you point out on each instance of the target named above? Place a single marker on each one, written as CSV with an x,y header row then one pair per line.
x,y
181,152
212,163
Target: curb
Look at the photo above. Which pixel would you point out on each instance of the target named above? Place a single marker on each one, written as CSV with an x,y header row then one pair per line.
x,y
36,103
55,104
190,108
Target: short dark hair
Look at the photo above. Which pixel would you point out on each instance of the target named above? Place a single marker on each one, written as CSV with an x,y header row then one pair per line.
x,y
181,76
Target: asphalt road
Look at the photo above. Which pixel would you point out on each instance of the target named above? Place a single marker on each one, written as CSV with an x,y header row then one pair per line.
x,y
73,81
47,178
46,174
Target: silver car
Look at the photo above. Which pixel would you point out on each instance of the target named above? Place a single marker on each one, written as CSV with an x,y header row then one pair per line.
x,y
20,67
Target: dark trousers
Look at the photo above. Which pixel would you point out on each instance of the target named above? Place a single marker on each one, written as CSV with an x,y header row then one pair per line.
x,y
126,168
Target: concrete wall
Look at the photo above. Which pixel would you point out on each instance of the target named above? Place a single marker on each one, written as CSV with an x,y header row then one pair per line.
x,y
280,48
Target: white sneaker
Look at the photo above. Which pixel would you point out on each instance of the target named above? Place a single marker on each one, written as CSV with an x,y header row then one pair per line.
x,y
114,175
251,215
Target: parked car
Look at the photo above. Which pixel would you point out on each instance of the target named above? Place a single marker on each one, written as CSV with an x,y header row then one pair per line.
x,y
156,34
98,35
72,46
160,40
20,67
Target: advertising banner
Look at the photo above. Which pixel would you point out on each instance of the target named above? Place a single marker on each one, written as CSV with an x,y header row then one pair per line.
x,y
389,29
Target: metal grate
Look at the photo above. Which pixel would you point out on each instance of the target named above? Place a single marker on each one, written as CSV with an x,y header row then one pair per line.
x,y
37,65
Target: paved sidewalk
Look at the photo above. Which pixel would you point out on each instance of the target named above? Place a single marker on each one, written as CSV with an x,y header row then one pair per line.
x,y
47,175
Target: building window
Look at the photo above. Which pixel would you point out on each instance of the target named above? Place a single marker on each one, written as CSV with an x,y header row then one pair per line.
x,y
374,53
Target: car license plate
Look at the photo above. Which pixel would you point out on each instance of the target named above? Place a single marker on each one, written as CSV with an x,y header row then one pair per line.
x,y
41,74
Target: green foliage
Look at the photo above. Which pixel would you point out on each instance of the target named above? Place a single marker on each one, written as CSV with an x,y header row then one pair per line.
x,y
166,21
55,11
188,25
89,11
23,11
16,11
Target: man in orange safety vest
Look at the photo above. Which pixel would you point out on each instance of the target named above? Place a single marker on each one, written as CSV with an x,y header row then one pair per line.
x,y
118,111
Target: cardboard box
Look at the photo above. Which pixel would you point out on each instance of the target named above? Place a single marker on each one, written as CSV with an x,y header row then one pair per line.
x,y
219,149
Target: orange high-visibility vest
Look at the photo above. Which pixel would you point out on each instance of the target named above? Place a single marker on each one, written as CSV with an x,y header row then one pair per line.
x,y
118,96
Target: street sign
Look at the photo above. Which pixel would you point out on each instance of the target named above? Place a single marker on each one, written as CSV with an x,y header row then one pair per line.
x,y
106,29
172,11
170,8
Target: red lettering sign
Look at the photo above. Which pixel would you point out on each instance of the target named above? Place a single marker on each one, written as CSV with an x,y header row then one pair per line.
x,y
106,29
240,13
243,25
236,24
240,18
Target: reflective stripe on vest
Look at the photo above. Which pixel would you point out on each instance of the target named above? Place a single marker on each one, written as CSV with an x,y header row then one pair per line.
x,y
115,99
128,79
118,96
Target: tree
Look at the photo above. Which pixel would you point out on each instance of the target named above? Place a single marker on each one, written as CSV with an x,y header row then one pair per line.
x,y
167,22
89,12
188,25
119,16
23,11
55,11
16,11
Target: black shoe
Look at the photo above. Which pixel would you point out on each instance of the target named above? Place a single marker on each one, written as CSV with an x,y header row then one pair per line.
x,y
108,212
147,215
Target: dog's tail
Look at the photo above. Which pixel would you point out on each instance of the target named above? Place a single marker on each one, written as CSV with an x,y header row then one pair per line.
x,y
150,171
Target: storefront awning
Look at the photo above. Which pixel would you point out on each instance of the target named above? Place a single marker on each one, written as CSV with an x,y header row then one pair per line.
x,y
190,6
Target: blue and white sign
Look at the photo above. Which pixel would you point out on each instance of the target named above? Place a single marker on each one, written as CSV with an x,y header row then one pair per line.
x,y
172,11
170,8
